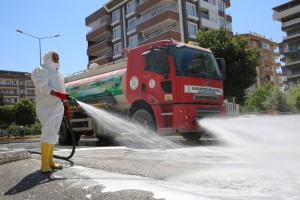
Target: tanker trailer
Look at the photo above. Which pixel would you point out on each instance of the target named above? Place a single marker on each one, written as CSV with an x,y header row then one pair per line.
x,y
165,85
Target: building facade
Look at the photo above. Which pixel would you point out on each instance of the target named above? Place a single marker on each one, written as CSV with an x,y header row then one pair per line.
x,y
289,15
121,24
268,71
16,85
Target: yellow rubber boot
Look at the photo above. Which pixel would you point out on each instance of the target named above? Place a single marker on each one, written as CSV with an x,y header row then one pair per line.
x,y
45,151
52,164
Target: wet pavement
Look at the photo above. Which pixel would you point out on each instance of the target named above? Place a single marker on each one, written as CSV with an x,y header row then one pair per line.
x,y
206,169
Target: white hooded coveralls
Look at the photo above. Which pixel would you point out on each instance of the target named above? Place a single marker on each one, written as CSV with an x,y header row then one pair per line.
x,y
49,109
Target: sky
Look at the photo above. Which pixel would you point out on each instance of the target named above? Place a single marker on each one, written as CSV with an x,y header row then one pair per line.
x,y
66,18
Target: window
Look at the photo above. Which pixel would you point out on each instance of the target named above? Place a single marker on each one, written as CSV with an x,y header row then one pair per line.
x,y
117,32
117,49
157,61
133,41
131,24
191,9
29,84
115,16
30,92
130,7
265,46
222,21
192,28
221,5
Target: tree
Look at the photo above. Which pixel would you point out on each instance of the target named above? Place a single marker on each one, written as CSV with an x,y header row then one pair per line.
x,y
6,117
24,112
256,102
293,97
277,101
241,63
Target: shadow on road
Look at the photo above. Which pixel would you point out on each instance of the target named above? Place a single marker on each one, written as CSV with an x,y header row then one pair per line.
x,y
30,181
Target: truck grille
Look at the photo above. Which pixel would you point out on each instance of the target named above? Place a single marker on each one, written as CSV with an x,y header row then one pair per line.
x,y
208,112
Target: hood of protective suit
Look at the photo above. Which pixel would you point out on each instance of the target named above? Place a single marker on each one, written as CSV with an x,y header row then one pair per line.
x,y
48,62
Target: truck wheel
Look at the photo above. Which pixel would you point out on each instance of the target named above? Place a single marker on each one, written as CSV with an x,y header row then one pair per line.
x,y
193,136
145,118
64,134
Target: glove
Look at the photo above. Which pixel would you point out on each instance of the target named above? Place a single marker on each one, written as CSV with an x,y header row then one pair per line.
x,y
67,112
63,96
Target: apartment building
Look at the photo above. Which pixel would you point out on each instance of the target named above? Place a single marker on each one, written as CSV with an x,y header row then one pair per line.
x,y
289,15
16,85
268,71
121,24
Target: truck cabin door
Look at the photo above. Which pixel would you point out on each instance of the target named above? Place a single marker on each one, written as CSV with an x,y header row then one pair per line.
x,y
156,74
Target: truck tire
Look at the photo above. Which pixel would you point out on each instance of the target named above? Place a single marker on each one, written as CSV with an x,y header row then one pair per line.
x,y
64,134
193,136
145,118
65,137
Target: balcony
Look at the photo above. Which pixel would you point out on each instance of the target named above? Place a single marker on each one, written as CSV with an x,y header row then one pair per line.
x,y
160,17
161,34
286,25
228,17
292,36
14,94
100,47
98,32
292,49
293,74
30,95
269,73
8,85
106,58
145,5
30,86
268,62
292,62
207,21
208,5
95,16
227,3
286,12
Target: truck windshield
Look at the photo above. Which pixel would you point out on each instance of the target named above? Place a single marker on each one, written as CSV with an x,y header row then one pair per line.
x,y
194,62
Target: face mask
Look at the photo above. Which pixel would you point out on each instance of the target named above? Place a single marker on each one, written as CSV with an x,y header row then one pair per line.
x,y
50,64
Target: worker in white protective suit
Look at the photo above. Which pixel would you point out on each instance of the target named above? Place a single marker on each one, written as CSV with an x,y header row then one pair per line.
x,y
51,105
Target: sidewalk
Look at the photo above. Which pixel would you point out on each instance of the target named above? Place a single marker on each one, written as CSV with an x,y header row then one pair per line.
x,y
7,156
17,139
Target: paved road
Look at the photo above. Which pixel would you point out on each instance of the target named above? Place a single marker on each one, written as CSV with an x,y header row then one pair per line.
x,y
176,170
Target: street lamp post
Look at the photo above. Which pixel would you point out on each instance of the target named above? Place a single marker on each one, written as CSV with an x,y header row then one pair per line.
x,y
39,38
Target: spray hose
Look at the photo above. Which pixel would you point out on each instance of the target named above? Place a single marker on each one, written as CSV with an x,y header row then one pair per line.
x,y
69,127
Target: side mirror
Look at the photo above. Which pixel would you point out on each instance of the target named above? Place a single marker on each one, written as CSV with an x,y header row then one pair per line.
x,y
222,66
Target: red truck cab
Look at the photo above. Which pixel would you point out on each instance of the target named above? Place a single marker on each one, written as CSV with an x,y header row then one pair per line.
x,y
170,85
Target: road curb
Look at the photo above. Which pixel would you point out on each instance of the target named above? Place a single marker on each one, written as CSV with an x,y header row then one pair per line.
x,y
11,156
